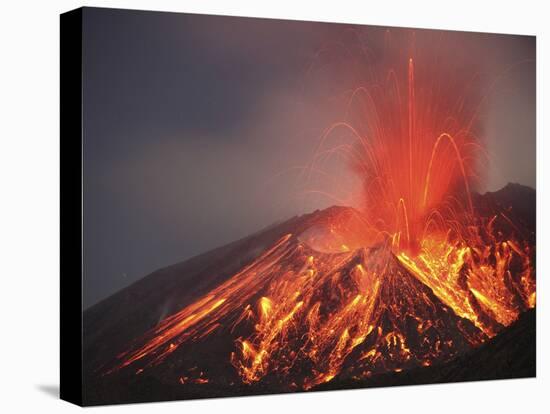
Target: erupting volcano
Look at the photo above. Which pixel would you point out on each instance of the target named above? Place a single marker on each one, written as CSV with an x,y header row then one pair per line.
x,y
423,271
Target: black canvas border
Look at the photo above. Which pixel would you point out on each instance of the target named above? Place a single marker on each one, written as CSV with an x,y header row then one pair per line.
x,y
71,382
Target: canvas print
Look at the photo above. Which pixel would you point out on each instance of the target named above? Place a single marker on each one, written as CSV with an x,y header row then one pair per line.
x,y
276,206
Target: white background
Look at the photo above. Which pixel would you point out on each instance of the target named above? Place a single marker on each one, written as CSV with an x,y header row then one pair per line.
x,y
29,206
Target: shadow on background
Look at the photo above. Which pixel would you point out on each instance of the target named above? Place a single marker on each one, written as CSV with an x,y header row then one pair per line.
x,y
51,390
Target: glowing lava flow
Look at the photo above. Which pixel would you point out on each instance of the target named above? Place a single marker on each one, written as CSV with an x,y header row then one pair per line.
x,y
427,278
304,313
301,317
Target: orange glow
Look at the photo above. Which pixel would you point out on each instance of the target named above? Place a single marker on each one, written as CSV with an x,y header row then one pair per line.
x,y
417,276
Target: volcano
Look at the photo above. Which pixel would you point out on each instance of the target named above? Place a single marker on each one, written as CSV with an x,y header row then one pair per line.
x,y
302,305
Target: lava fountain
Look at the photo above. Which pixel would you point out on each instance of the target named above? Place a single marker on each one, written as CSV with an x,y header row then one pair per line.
x,y
416,153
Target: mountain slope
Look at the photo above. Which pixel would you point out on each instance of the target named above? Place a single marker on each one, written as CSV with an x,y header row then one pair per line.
x,y
271,313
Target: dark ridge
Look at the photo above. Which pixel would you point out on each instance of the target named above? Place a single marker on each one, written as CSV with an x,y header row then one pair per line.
x,y
517,200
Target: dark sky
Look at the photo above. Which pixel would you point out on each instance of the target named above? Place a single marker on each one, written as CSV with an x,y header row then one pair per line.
x,y
196,128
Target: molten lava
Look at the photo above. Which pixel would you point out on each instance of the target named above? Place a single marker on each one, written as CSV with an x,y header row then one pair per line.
x,y
416,277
